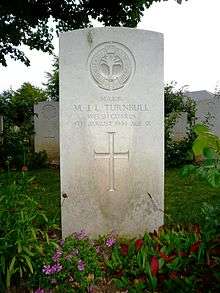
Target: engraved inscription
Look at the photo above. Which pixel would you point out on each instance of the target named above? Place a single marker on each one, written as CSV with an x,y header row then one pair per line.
x,y
111,65
112,115
111,156
49,112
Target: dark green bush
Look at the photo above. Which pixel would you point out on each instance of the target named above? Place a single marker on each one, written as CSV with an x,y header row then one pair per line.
x,y
17,108
177,152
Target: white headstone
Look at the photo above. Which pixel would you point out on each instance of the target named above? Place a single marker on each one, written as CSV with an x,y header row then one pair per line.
x,y
46,126
111,130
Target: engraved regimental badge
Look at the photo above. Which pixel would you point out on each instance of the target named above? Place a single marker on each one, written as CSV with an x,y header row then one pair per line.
x,y
111,65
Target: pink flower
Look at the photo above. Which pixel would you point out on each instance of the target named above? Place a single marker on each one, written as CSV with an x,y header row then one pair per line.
x,y
24,168
110,241
57,255
39,290
62,242
97,249
52,269
81,235
81,265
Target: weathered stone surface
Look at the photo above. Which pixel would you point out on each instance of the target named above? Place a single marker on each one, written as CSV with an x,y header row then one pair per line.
x,y
46,125
207,108
180,128
111,130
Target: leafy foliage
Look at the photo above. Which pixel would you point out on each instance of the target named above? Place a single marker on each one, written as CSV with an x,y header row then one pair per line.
x,y
73,266
17,108
23,228
28,21
52,84
164,261
182,259
177,152
206,149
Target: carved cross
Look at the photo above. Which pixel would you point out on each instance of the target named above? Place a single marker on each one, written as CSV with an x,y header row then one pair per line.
x,y
111,155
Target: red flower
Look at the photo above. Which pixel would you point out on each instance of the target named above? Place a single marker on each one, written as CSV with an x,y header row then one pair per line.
x,y
124,249
139,243
167,258
195,246
173,275
182,253
24,168
154,265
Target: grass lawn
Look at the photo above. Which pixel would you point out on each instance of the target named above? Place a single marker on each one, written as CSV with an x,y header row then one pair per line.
x,y
183,196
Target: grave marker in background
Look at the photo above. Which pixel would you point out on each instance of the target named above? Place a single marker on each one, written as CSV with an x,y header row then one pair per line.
x,y
180,128
46,126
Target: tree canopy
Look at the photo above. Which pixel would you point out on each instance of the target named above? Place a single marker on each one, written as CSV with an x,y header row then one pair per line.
x,y
28,22
52,83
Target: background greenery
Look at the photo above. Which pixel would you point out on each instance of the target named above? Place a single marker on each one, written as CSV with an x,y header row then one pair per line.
x,y
184,197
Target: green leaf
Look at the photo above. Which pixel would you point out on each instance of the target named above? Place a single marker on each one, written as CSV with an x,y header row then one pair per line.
x,y
8,278
19,246
28,251
200,128
28,262
44,217
11,266
154,282
186,170
161,263
199,144
3,263
10,272
209,153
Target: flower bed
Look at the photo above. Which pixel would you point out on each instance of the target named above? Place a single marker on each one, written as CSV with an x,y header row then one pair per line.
x,y
165,261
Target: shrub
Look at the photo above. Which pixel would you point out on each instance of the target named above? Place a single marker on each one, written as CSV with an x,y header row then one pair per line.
x,y
177,152
17,108
23,227
73,266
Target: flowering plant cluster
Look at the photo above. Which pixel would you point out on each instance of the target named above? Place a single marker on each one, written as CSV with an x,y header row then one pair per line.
x,y
166,261
172,259
73,266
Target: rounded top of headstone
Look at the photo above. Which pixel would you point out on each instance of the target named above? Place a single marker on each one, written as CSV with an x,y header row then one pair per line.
x,y
113,29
